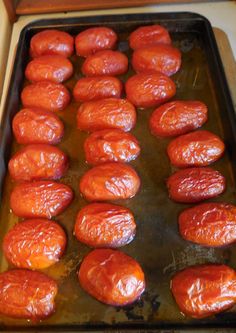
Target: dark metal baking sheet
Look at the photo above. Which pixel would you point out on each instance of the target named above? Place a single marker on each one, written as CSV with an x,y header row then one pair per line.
x,y
157,246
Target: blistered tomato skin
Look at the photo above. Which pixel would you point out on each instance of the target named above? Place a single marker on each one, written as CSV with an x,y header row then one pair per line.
x,y
33,125
51,42
98,87
26,294
109,181
93,40
199,148
209,224
52,68
34,244
40,199
107,113
105,225
177,117
46,95
161,58
195,185
111,277
36,162
148,90
111,145
106,62
148,36
204,290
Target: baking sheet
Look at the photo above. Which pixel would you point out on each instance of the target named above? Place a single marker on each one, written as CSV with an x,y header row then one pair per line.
x,y
157,245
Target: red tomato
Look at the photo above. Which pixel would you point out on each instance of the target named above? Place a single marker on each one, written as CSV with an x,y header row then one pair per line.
x,y
37,126
203,290
199,148
147,90
95,39
105,225
109,181
177,117
26,294
35,162
44,199
98,87
195,184
107,113
149,35
112,145
52,68
160,58
105,62
34,244
112,277
50,42
46,95
209,224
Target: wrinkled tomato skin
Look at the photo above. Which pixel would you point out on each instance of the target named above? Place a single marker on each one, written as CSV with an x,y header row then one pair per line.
x,y
209,224
34,244
110,146
25,294
105,225
46,95
203,290
52,68
111,277
32,126
161,58
195,185
51,42
107,113
199,148
177,117
93,40
106,62
98,87
109,181
36,162
40,199
148,36
148,90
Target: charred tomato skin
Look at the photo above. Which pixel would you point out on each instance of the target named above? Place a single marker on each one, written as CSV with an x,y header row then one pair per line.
x,y
116,278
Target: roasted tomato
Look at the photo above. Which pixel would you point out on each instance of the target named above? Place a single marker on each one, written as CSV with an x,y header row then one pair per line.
x,y
105,225
106,62
177,117
112,277
195,184
147,90
109,181
52,68
35,162
160,58
209,224
106,113
34,244
27,294
95,39
98,87
46,95
40,199
203,290
112,145
37,126
148,36
199,148
50,42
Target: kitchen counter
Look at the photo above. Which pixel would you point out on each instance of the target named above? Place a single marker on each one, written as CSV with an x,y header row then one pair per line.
x,y
220,14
